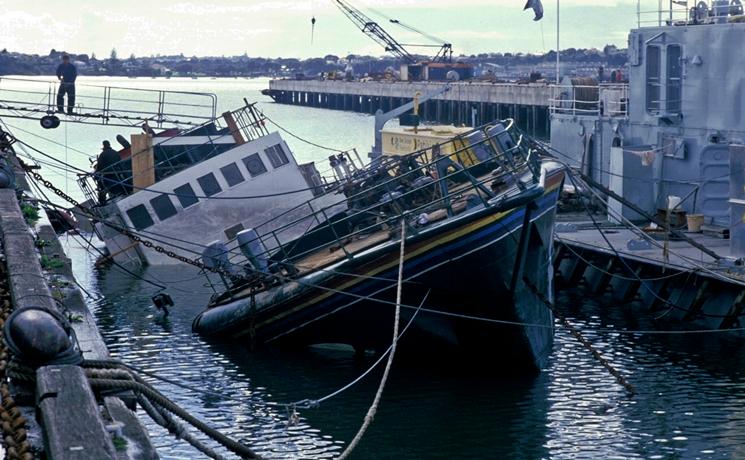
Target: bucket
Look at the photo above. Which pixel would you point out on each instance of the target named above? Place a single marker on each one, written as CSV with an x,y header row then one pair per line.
x,y
695,222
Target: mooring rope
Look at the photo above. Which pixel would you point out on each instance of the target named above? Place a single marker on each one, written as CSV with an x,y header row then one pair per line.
x,y
313,403
580,338
374,407
159,399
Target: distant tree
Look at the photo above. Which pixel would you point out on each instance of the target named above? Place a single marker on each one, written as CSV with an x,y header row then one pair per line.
x,y
132,57
93,56
113,56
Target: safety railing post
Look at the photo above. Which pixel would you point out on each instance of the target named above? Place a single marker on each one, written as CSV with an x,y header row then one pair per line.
x,y
336,236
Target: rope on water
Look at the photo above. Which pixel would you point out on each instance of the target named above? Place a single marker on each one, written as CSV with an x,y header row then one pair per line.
x,y
313,403
580,338
374,407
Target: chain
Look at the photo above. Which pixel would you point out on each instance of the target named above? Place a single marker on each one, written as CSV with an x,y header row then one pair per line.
x,y
134,237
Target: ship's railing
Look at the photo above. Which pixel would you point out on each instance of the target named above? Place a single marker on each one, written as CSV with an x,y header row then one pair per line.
x,y
110,105
607,99
222,134
409,187
667,13
682,12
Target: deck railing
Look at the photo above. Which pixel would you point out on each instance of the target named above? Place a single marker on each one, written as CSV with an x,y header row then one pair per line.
x,y
111,105
609,100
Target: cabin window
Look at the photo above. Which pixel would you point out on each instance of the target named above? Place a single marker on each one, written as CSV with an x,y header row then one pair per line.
x,y
209,184
163,207
140,217
673,91
277,156
653,79
186,195
232,174
254,165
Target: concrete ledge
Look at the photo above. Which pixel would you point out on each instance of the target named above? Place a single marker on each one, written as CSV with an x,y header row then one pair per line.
x,y
28,287
71,419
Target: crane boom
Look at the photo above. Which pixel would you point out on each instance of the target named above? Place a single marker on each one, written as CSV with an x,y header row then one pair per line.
x,y
374,31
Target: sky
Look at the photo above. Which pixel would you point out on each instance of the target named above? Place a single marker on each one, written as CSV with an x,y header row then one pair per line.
x,y
274,28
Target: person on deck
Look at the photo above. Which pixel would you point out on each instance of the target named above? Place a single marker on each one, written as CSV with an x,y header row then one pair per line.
x,y
106,176
67,73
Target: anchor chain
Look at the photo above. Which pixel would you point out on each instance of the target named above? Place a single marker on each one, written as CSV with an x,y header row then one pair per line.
x,y
134,237
580,338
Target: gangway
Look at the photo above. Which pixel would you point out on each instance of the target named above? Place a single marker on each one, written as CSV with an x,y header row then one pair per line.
x,y
36,99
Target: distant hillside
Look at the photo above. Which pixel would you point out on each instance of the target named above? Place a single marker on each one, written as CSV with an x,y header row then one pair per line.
x,y
12,63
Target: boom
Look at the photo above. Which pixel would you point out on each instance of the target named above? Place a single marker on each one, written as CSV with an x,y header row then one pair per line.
x,y
373,30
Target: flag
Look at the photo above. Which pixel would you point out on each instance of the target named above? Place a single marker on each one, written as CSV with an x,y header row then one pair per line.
x,y
537,8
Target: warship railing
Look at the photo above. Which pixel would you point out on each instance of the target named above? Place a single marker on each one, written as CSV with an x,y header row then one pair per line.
x,y
110,105
673,12
410,204
607,99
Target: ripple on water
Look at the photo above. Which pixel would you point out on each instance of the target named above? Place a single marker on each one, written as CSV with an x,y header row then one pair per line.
x,y
687,405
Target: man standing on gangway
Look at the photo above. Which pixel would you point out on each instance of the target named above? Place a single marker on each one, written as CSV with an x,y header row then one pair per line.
x,y
67,73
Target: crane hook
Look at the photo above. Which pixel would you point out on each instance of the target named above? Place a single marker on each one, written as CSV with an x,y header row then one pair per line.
x,y
312,28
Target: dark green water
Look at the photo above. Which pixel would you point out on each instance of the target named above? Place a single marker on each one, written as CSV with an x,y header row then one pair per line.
x,y
690,388
688,405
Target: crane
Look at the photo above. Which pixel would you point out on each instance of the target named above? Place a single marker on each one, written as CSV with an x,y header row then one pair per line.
x,y
383,38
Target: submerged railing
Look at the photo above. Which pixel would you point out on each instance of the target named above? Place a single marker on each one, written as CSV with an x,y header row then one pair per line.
x,y
475,168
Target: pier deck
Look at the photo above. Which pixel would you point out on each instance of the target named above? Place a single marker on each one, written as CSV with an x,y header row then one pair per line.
x,y
527,104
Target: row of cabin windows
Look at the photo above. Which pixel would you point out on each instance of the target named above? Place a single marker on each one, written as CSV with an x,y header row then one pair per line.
x,y
665,97
164,208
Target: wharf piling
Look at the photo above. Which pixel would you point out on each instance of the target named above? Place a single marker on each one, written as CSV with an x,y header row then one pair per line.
x,y
59,416
527,104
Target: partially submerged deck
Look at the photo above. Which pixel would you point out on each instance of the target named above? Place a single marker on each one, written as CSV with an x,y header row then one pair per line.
x,y
669,279
654,250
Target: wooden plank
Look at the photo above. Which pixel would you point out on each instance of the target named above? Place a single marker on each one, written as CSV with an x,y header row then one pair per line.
x,y
233,127
143,161
70,416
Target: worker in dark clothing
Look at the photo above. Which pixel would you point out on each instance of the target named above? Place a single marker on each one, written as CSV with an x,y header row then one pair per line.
x,y
106,175
67,73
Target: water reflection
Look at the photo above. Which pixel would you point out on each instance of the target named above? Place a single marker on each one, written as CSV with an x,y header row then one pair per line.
x,y
689,402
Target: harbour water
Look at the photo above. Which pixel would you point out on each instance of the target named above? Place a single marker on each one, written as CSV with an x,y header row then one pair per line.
x,y
688,405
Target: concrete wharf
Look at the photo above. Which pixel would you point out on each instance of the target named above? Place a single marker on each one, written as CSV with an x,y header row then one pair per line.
x,y
55,413
527,104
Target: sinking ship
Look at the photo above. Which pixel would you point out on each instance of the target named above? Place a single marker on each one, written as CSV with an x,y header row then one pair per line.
x,y
183,189
476,213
